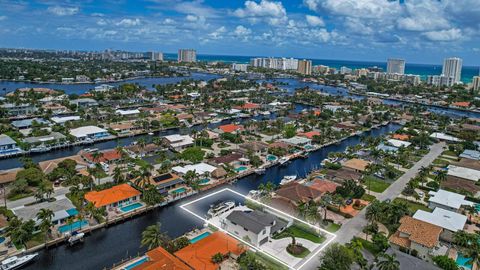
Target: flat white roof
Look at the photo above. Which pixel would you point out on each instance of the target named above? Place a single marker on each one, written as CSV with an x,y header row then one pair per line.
x,y
86,130
445,137
465,173
177,140
443,218
60,120
127,112
447,198
297,140
199,168
398,143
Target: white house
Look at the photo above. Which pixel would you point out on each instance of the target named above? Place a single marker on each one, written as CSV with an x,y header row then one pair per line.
x,y
464,173
178,142
64,119
199,168
444,137
398,143
447,200
255,226
448,220
127,112
89,133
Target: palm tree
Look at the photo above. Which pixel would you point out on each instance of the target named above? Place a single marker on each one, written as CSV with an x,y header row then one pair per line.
x,y
96,156
153,237
117,175
441,176
388,262
302,209
46,216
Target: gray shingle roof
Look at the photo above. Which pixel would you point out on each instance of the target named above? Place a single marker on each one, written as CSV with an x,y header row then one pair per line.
x,y
6,140
255,221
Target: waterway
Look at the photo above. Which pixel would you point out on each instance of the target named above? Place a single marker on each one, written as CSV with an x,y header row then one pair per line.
x,y
107,246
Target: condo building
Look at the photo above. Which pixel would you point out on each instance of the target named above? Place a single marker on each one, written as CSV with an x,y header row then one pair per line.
x,y
187,55
395,66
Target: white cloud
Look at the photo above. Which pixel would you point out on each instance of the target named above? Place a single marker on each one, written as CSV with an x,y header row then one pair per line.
x,y
128,22
191,18
218,34
424,15
241,30
168,21
273,12
314,21
362,8
445,35
63,11
102,22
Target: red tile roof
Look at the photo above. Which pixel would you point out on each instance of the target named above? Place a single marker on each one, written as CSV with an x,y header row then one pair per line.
x,y
160,259
248,106
297,192
324,186
231,128
309,134
112,195
461,104
107,156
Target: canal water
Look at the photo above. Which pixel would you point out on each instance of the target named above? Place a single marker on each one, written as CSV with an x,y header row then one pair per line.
x,y
105,247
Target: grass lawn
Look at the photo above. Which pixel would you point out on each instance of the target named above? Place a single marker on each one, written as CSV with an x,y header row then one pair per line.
x,y
268,262
440,162
333,227
449,153
375,184
368,197
413,206
38,239
20,196
300,233
369,246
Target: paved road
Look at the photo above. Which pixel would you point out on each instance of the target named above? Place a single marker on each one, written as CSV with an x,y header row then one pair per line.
x,y
355,225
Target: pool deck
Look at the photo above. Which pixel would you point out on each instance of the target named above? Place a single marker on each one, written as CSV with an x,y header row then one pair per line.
x,y
196,232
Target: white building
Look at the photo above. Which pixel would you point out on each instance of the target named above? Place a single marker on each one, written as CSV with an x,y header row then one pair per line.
x,y
452,68
345,70
64,119
199,168
127,112
476,83
187,55
275,63
447,200
398,143
89,133
448,220
178,142
240,67
103,88
395,66
464,173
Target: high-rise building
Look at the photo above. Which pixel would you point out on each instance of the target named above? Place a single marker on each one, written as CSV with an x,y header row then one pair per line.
x,y
305,67
476,83
395,66
240,67
345,70
452,68
187,55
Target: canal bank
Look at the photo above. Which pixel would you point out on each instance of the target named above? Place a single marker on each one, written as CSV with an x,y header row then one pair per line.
x,y
104,247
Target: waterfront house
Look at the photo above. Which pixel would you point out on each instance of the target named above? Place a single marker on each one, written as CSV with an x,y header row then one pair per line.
x,y
87,133
346,125
387,148
155,259
417,235
447,200
324,186
199,254
471,154
55,108
255,147
356,164
199,168
166,182
128,113
341,175
297,141
444,137
63,119
84,102
48,166
228,159
256,226
27,123
309,134
448,220
248,107
229,128
114,196
8,145
124,127
19,109
50,139
8,176
401,137
107,156
62,209
178,142
398,143
297,193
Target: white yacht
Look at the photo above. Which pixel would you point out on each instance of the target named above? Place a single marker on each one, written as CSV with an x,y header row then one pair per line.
x,y
220,208
75,238
260,171
283,160
16,262
328,160
287,179
254,194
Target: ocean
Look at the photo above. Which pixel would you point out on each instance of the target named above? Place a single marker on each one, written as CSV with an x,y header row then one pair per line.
x,y
418,69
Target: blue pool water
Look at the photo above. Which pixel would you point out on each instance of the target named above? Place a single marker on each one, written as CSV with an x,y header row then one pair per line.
x,y
135,264
2,239
130,207
72,212
271,158
241,169
463,262
180,190
199,237
204,181
73,227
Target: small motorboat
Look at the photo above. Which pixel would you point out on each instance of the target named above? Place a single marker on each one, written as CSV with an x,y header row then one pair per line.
x,y
260,171
288,179
220,208
283,160
16,262
328,160
254,194
150,133
75,238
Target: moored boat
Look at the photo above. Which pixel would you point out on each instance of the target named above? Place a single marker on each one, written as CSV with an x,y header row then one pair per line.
x,y
288,179
220,208
16,262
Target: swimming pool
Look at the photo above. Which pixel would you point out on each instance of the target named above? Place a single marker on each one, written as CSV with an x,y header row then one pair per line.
x,y
204,181
199,237
2,239
179,190
136,263
73,227
463,263
241,169
271,158
130,207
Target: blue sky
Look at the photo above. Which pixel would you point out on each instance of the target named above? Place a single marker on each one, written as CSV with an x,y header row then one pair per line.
x,y
421,31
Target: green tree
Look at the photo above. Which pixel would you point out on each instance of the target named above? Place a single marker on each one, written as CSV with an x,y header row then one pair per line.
x,y
445,262
388,262
289,130
193,154
153,237
46,216
217,258
336,257
151,196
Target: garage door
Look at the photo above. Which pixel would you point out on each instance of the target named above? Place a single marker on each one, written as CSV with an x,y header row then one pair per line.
x,y
263,241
